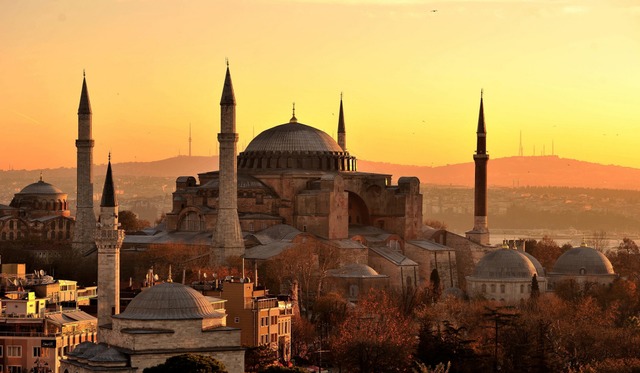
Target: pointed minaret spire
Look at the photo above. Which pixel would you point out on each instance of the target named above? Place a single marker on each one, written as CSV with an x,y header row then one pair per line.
x,y
342,133
85,103
108,239
480,231
227,238
482,129
108,192
85,226
228,97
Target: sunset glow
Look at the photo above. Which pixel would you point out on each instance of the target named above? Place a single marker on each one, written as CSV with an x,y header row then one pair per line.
x,y
561,72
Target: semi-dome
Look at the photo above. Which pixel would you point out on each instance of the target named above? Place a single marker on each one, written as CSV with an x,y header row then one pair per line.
x,y
505,264
168,301
295,145
40,187
583,261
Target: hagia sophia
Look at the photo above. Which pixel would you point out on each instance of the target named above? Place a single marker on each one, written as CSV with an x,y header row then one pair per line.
x,y
293,186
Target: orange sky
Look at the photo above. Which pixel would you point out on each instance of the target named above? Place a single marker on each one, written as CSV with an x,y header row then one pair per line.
x,y
561,71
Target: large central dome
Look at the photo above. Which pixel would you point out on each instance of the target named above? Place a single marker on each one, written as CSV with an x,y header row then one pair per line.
x,y
295,145
293,137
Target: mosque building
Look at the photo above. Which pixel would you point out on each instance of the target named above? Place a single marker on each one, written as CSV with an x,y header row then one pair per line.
x,y
162,321
39,211
294,184
582,265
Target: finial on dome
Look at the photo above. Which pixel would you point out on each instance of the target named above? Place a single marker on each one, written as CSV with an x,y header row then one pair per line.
x,y
40,176
293,118
169,279
83,74
227,61
583,243
109,157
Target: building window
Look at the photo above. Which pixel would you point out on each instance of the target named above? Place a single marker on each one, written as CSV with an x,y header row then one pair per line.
x,y
493,288
37,352
1,353
521,289
14,351
274,338
502,288
14,369
274,320
484,288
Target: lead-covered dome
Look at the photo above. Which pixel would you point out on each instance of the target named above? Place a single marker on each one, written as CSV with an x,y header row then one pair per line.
x,y
40,187
505,264
583,261
293,137
168,301
295,145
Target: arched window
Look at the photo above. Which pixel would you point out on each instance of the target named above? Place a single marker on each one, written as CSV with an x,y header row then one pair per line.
x,y
484,288
521,288
192,222
493,288
583,271
502,288
354,290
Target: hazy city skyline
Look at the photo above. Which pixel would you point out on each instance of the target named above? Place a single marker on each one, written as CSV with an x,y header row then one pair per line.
x,y
562,72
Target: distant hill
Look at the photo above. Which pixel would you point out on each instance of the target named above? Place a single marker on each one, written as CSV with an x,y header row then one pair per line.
x,y
503,172
520,171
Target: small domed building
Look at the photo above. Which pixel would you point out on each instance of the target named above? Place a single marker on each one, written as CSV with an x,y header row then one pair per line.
x,y
355,279
39,211
162,321
582,265
506,275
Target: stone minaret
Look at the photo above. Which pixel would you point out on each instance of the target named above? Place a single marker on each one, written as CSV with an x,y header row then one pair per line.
x,y
480,231
109,240
85,226
227,238
342,133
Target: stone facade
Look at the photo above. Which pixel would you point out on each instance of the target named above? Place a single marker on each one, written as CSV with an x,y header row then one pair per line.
x,y
39,212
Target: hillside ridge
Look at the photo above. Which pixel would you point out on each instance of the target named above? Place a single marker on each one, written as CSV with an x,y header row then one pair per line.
x,y
534,171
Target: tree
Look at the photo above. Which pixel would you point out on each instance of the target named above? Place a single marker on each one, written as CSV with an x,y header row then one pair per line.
x,y
130,223
535,288
188,363
546,251
258,358
599,240
434,280
374,337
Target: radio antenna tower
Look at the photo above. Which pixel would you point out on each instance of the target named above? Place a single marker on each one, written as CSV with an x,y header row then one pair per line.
x,y
520,150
